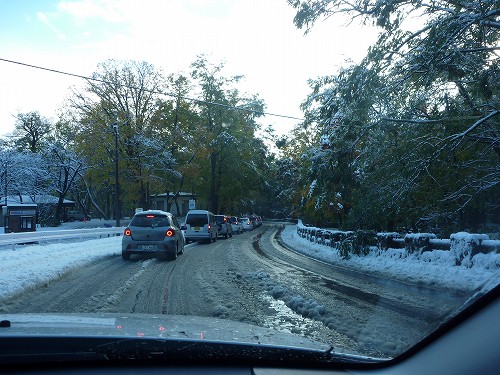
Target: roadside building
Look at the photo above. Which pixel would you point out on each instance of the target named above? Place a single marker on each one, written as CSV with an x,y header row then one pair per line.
x,y
19,217
177,204
45,207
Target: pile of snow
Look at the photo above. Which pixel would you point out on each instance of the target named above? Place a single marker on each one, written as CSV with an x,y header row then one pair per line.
x,y
305,307
435,268
463,245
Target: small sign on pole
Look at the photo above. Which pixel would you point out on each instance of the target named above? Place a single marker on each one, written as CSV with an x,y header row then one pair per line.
x,y
192,204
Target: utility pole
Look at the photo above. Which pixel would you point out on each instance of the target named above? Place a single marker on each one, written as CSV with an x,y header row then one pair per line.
x,y
117,182
5,210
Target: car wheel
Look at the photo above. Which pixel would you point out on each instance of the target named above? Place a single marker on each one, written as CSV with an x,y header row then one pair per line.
x,y
187,241
126,256
173,256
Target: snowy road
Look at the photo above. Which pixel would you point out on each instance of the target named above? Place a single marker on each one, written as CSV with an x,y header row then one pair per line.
x,y
251,278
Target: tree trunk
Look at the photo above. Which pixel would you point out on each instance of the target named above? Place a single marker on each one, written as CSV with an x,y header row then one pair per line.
x,y
213,176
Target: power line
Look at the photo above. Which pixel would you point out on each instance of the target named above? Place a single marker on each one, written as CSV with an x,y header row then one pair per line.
x,y
151,91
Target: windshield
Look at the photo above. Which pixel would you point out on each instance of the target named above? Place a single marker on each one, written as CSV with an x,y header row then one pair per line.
x,y
197,220
150,220
358,141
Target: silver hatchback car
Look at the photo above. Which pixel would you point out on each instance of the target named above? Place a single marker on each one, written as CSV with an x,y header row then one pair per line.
x,y
246,223
153,232
236,224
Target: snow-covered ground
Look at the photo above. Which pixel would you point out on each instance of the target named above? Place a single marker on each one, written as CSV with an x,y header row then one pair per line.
x,y
94,223
433,268
31,266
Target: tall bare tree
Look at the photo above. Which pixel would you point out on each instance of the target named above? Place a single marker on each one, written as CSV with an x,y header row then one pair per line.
x,y
121,101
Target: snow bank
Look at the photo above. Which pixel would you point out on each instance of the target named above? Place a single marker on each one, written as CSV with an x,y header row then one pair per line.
x,y
435,268
464,246
30,266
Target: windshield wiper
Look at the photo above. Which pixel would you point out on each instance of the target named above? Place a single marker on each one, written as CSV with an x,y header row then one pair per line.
x,y
48,348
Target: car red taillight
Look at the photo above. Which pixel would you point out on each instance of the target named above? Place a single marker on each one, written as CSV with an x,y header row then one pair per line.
x,y
170,233
127,232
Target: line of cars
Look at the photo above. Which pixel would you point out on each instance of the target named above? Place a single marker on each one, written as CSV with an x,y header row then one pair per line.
x,y
250,222
202,225
159,233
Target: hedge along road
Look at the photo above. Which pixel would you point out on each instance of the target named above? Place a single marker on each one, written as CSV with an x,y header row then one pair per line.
x,y
251,278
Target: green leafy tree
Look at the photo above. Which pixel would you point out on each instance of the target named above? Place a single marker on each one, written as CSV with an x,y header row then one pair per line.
x,y
419,113
30,131
228,139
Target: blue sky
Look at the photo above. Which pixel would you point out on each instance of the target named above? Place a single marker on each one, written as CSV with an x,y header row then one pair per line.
x,y
255,38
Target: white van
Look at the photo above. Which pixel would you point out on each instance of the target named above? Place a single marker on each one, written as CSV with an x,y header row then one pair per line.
x,y
200,225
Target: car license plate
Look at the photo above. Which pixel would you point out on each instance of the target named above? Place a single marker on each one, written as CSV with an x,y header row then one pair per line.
x,y
148,247
196,228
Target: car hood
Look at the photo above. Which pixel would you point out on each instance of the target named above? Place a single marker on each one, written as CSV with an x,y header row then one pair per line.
x,y
49,337
154,326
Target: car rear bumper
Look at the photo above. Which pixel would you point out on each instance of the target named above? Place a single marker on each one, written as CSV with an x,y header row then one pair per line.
x,y
151,247
198,236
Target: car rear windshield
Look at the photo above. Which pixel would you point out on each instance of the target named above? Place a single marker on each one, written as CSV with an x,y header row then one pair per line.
x,y
197,220
152,221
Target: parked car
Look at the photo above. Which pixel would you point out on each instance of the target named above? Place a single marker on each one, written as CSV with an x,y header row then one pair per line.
x,y
246,223
236,225
76,216
257,220
225,228
253,220
200,225
153,232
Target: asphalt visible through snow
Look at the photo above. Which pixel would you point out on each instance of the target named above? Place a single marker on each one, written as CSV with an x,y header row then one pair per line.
x,y
254,279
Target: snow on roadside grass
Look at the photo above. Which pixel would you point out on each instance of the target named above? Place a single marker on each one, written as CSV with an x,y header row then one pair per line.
x,y
31,266
433,269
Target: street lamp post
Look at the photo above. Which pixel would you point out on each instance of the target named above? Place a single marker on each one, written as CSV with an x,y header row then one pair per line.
x,y
5,217
117,182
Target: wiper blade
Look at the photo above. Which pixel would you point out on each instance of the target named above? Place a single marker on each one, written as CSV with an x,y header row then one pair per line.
x,y
142,337
145,348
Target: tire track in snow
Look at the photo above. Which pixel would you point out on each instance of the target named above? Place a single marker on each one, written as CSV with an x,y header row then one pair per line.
x,y
117,297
